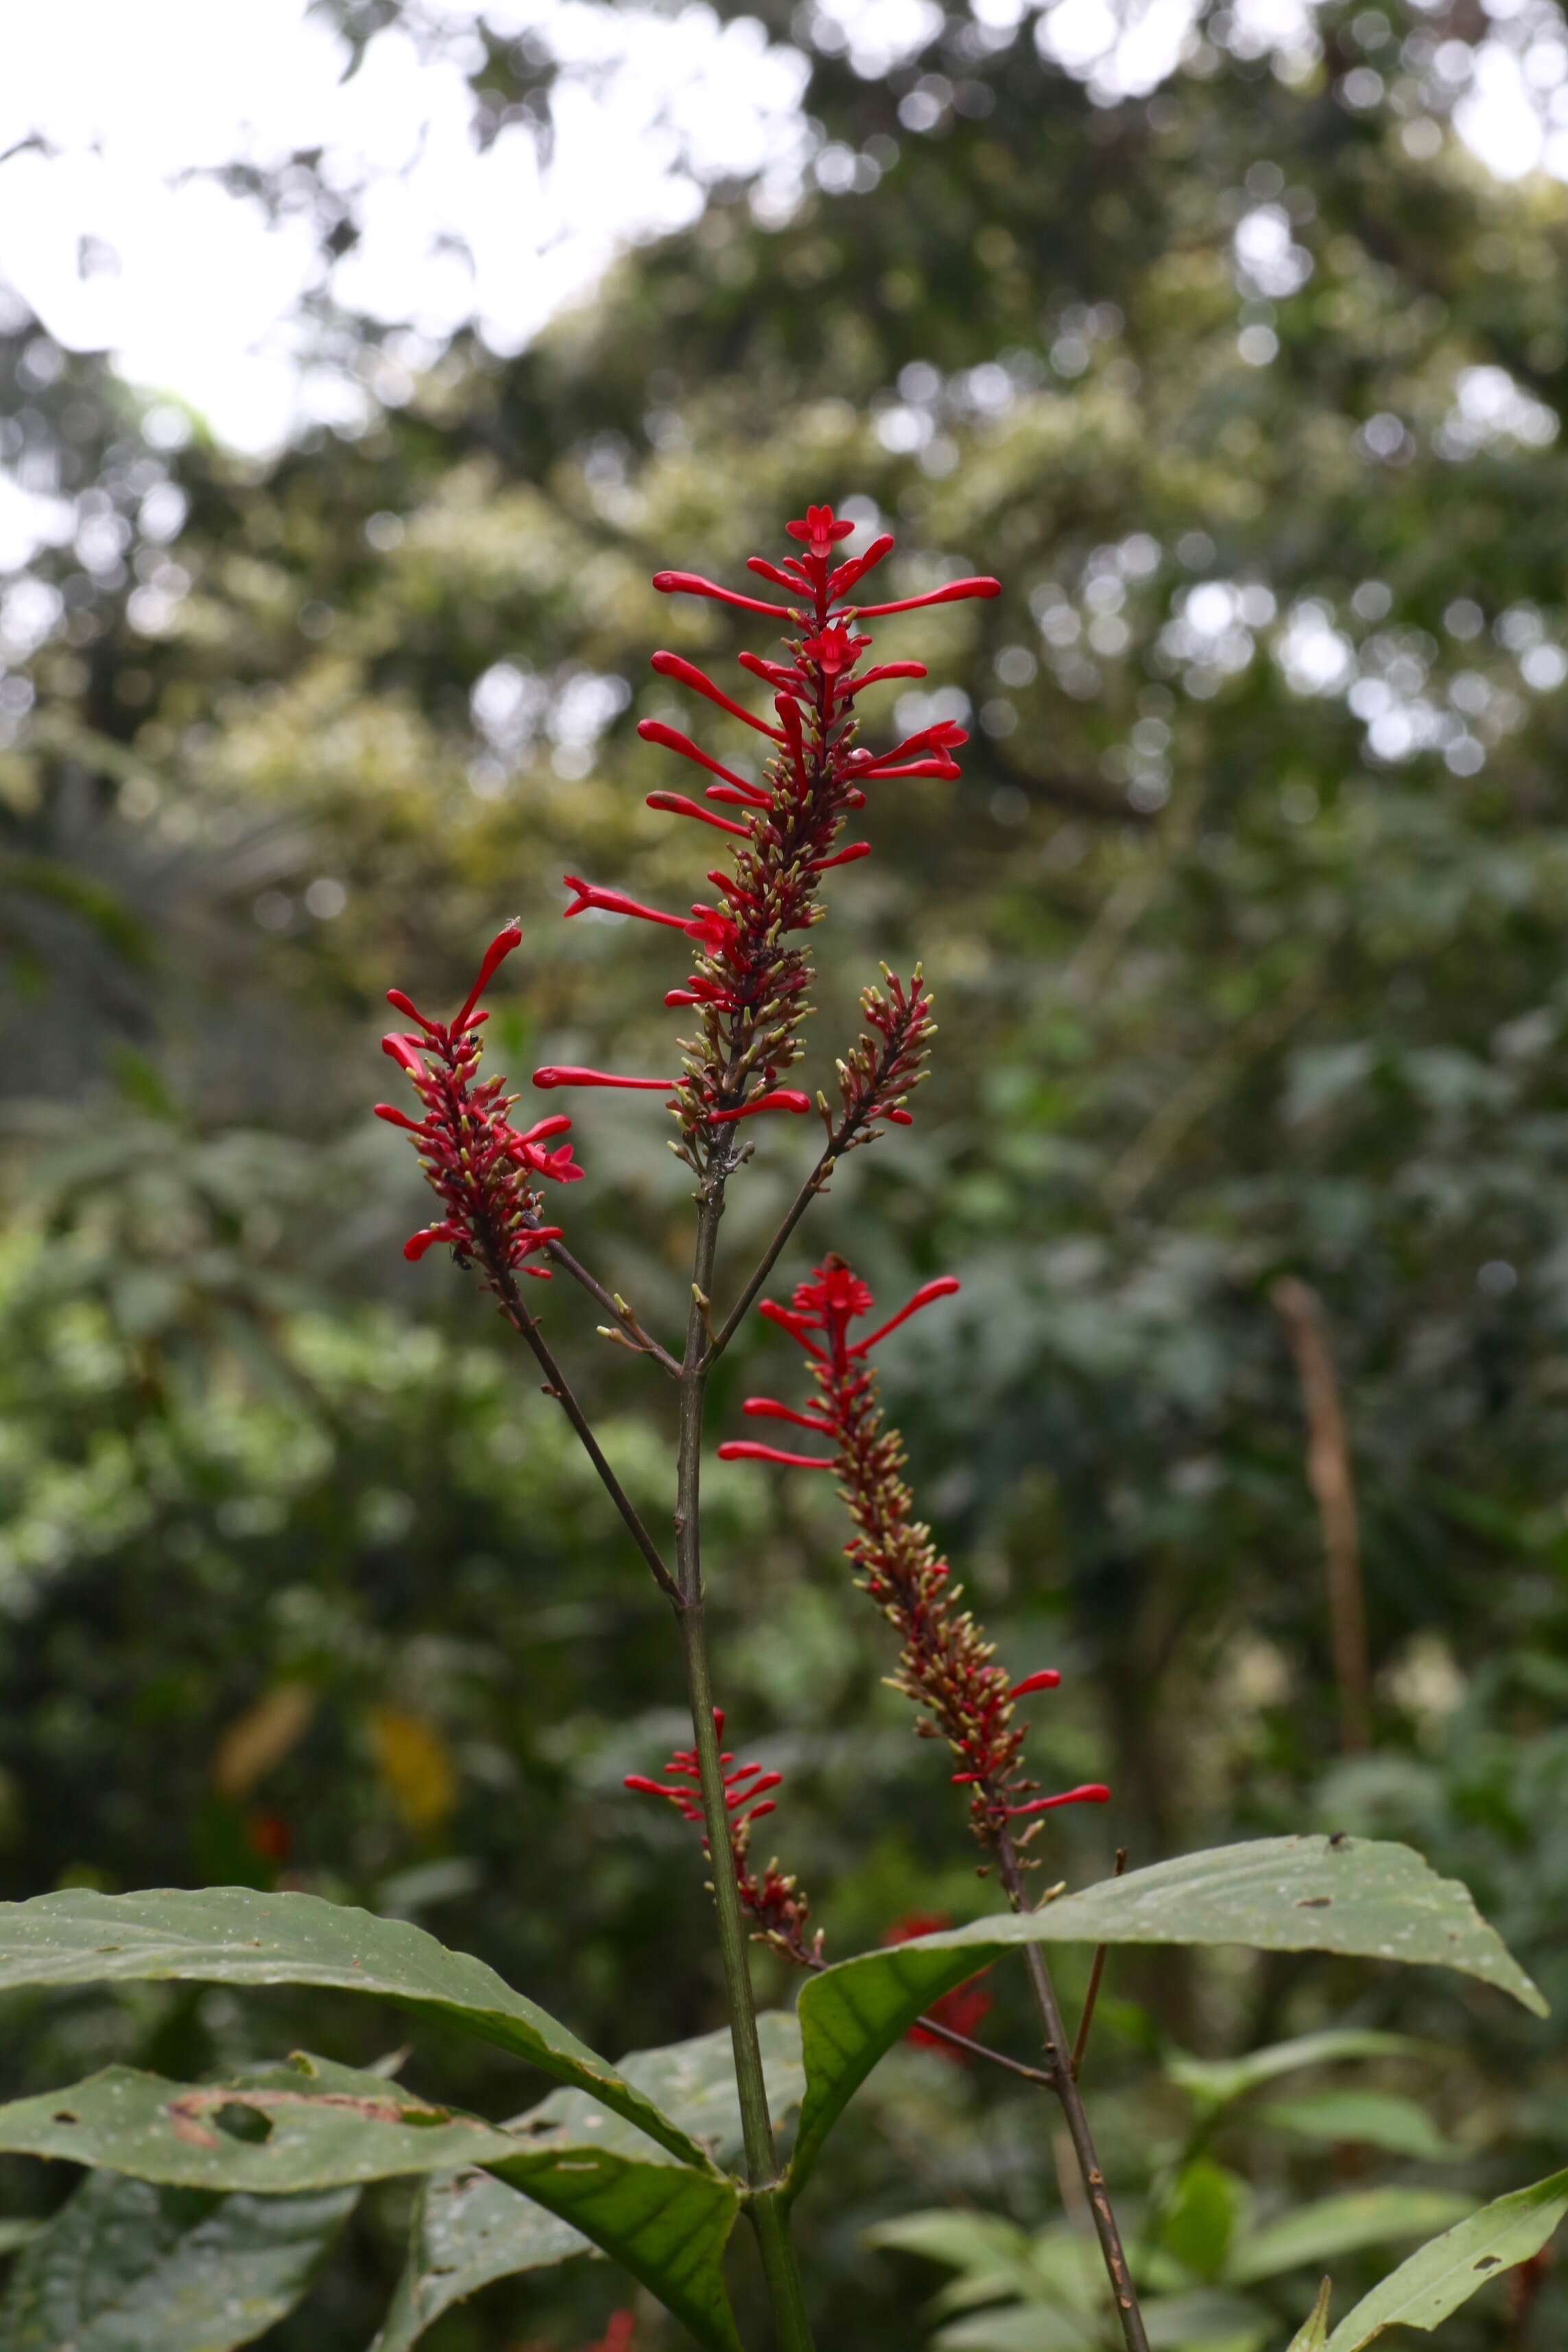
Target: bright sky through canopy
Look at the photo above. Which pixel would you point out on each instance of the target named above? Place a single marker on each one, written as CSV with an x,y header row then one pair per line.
x,y
114,120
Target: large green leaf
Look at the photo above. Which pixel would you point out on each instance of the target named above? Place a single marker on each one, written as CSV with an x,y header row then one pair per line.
x,y
1349,1895
310,2124
1366,2118
1316,2233
234,1935
125,2264
470,2230
1423,2291
1215,2082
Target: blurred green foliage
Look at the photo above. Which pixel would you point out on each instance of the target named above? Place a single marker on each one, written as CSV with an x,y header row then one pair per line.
x,y
1245,926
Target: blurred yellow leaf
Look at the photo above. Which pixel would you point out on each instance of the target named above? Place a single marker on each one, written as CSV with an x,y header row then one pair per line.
x,y
416,1764
259,1739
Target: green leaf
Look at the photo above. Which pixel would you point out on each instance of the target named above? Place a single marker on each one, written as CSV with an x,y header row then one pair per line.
x,y
1423,2291
234,1935
1201,2218
1019,2327
1207,2322
467,2231
1351,1895
962,2242
1363,2119
125,2264
1313,2335
1339,2225
15,2235
1215,2082
470,2229
310,2124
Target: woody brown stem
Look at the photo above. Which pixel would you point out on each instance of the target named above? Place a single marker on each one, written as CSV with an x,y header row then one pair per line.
x,y
504,1283
1332,1482
642,1342
1123,2293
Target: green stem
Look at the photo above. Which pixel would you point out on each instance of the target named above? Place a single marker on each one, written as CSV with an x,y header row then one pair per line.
x,y
769,2222
768,2219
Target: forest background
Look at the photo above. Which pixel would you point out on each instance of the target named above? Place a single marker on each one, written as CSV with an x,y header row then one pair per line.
x,y
1244,374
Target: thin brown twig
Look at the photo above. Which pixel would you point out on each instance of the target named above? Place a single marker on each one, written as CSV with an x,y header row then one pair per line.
x,y
838,1142
1124,2294
1333,1481
505,1285
962,2042
641,1342
1096,1970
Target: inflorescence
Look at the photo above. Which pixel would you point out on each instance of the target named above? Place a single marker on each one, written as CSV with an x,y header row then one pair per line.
x,y
946,1666
749,980
475,1162
774,1902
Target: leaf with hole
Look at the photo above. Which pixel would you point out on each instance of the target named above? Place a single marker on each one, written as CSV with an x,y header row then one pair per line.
x,y
235,1936
125,2264
1354,1896
1445,2273
310,2124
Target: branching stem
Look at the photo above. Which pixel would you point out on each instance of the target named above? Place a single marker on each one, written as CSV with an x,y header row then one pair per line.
x,y
505,1285
1058,2058
767,2217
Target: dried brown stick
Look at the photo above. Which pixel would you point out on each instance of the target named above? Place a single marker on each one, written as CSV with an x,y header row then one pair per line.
x,y
1333,1481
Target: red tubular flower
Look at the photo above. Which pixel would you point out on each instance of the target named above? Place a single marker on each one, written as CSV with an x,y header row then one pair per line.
x,y
774,1902
946,1666
962,2010
617,2336
475,1162
751,977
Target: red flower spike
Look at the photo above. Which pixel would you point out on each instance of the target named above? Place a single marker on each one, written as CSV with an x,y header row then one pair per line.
x,y
482,1169
774,1902
946,1666
752,976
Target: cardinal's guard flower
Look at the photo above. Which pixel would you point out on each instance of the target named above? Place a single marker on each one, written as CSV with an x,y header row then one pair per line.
x,y
478,1164
748,983
946,1666
774,1902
